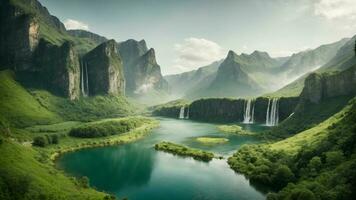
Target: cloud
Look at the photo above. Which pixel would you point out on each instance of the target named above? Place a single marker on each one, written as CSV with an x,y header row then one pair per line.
x,y
74,24
196,52
335,9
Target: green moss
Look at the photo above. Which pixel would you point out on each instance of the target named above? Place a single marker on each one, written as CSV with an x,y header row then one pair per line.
x,y
182,150
211,140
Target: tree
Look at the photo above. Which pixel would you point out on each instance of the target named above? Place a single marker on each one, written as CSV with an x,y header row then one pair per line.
x,y
282,176
54,139
39,141
314,165
301,194
334,157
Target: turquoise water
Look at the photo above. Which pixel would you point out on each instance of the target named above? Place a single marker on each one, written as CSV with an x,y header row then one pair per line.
x,y
138,172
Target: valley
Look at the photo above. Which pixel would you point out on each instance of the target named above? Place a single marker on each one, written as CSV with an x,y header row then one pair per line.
x,y
85,116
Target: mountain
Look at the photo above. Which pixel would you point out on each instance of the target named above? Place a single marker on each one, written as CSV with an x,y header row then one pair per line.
x,y
310,60
230,81
87,35
182,83
343,59
143,74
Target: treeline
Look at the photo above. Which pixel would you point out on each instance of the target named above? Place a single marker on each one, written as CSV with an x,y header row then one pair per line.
x,y
323,170
42,141
107,127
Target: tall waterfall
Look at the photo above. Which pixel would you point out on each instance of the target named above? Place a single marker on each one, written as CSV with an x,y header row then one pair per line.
x,y
272,115
87,78
187,116
84,80
249,111
181,113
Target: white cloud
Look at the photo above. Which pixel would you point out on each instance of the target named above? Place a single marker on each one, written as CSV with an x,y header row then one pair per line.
x,y
336,9
74,24
196,52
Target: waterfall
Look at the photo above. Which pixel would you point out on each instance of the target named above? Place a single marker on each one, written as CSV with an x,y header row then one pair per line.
x,y
249,111
272,115
187,117
87,79
82,78
181,113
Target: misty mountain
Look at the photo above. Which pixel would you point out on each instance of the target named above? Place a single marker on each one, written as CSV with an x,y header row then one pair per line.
x,y
181,83
343,59
230,81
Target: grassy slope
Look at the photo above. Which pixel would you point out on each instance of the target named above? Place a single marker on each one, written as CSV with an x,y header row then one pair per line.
x,y
20,163
19,107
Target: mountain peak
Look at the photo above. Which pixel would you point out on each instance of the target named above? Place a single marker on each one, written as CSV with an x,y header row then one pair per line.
x,y
260,54
231,55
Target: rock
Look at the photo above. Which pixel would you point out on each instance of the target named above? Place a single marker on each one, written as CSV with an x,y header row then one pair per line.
x,y
142,73
318,87
105,70
58,68
89,35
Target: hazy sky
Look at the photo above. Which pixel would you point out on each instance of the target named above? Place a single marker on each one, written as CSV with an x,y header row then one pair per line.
x,y
187,34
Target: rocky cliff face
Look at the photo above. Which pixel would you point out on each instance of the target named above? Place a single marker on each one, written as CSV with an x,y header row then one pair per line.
x,y
318,87
142,72
58,68
88,35
229,110
105,70
19,36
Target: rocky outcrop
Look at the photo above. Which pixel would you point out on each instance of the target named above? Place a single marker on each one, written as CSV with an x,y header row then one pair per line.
x,y
142,73
318,87
57,68
105,70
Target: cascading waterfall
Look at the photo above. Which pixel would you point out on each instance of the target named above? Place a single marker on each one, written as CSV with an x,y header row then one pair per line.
x,y
82,78
272,115
87,78
181,113
187,116
249,111
84,81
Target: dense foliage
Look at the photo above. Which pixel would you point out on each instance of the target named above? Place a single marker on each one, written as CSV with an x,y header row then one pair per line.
x,y
42,141
321,170
182,150
107,127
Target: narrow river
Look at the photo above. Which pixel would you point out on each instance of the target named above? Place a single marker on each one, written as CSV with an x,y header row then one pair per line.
x,y
138,172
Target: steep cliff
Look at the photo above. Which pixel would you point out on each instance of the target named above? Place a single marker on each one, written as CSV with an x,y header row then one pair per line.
x,y
326,85
105,70
142,73
56,69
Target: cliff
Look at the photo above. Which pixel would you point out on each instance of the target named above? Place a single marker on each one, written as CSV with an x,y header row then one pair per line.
x,y
105,70
319,87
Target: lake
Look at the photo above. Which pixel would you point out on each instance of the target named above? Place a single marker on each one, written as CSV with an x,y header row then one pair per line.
x,y
138,172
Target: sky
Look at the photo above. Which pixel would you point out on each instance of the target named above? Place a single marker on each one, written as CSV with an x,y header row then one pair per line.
x,y
187,34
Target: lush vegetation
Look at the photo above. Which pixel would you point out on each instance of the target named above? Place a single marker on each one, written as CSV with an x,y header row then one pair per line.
x,y
211,140
108,127
20,108
235,129
316,164
182,150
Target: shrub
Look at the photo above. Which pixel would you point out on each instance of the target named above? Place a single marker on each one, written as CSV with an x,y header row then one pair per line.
x,y
39,141
83,181
55,139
